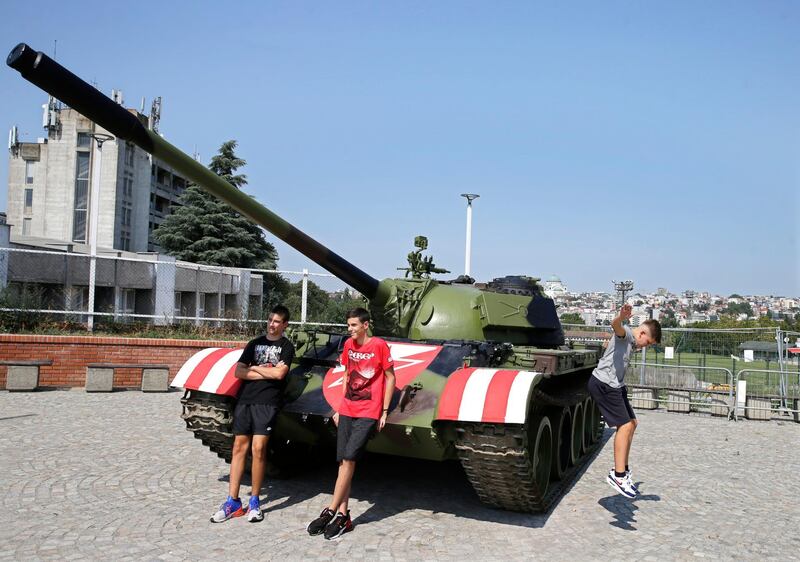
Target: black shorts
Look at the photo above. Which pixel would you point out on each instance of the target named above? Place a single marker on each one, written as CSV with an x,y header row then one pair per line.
x,y
254,419
352,436
612,402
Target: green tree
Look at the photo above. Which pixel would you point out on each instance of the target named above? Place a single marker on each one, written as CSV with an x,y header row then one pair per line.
x,y
572,318
734,309
206,230
339,304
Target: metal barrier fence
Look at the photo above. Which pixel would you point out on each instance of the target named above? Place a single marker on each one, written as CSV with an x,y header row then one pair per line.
x,y
681,388
762,394
41,286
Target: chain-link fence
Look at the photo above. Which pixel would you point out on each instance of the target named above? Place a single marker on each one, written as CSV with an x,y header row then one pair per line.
x,y
40,287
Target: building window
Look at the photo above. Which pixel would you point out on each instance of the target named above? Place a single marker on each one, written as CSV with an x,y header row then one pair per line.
x,y
129,152
81,197
28,201
26,227
83,140
127,187
128,301
177,308
126,216
125,240
28,171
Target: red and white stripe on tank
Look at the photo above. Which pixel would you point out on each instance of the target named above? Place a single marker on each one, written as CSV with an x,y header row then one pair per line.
x,y
470,394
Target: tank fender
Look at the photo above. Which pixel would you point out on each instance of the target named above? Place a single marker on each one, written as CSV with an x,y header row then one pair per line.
x,y
474,394
210,370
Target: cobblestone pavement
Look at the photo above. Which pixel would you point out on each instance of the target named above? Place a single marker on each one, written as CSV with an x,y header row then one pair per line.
x,y
85,476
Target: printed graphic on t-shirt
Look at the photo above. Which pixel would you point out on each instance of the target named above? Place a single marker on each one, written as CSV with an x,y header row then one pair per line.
x,y
357,388
267,355
358,382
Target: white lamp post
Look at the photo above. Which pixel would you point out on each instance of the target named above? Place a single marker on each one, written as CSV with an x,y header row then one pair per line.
x,y
94,213
469,197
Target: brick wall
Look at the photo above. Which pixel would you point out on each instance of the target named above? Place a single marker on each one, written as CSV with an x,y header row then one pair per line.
x,y
71,354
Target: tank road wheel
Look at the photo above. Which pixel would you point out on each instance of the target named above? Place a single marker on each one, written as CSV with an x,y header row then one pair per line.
x,y
577,434
588,424
562,441
508,465
542,453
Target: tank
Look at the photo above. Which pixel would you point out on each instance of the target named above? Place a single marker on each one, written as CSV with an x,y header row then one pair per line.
x,y
483,373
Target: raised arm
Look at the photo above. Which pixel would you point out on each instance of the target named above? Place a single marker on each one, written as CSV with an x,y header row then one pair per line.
x,y
624,313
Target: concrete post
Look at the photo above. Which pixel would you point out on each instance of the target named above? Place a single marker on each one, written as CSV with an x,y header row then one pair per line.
x,y
164,287
304,298
243,294
5,256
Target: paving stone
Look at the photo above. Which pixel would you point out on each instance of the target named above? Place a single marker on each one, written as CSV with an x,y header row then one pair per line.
x,y
116,476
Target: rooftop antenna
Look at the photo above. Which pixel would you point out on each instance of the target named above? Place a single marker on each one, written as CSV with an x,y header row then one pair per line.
x,y
155,114
55,49
13,140
141,107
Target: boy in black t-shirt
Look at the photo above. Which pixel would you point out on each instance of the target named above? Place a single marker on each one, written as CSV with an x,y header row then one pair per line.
x,y
263,367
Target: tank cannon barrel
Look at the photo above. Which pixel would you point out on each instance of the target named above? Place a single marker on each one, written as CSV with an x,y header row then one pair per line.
x,y
47,74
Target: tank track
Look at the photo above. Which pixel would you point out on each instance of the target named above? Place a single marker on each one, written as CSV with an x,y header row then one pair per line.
x,y
498,459
209,417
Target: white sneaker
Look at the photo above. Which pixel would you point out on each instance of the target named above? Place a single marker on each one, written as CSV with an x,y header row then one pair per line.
x,y
629,476
254,514
621,485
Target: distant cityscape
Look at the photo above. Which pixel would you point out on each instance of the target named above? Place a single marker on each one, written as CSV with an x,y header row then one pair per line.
x,y
598,308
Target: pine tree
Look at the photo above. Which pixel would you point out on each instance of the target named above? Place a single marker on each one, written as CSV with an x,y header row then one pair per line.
x,y
206,230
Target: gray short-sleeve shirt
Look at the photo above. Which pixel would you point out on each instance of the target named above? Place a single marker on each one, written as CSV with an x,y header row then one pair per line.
x,y
612,366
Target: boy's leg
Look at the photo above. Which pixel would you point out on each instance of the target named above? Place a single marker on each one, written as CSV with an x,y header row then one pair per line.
x,y
241,444
259,450
634,423
622,445
353,434
617,412
344,481
263,421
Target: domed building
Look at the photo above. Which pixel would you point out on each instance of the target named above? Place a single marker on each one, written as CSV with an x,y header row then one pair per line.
x,y
554,288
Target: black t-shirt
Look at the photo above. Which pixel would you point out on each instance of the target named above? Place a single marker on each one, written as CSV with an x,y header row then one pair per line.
x,y
262,351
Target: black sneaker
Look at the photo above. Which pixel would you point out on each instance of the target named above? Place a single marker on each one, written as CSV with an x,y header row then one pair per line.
x,y
341,524
317,526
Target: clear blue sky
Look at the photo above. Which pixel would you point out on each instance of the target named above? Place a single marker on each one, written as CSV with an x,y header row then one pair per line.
x,y
653,141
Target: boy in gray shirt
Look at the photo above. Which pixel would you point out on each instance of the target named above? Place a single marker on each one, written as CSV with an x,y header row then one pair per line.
x,y
611,396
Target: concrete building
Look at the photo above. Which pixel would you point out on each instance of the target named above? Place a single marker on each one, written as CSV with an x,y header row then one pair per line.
x,y
49,183
50,275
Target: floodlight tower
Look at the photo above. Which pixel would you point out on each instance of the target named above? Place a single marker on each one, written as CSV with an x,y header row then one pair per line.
x,y
623,288
469,197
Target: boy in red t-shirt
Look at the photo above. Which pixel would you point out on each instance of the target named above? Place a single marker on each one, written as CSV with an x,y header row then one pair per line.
x,y
368,385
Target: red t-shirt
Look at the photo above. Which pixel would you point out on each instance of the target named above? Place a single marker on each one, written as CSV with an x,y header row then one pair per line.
x,y
366,383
